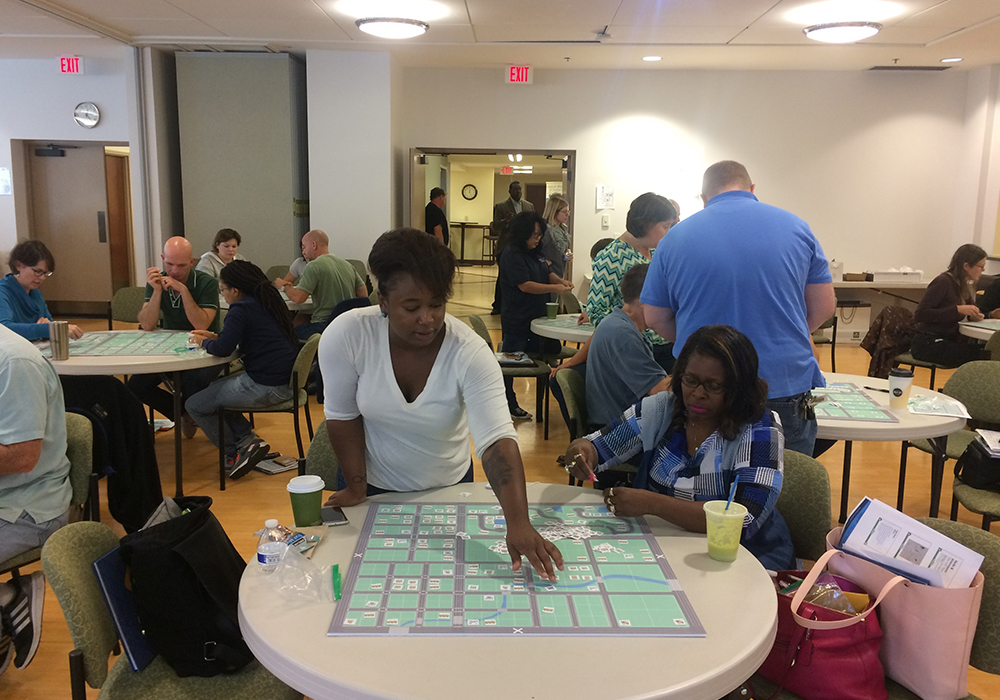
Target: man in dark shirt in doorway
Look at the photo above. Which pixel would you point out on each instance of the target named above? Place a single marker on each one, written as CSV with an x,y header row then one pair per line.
x,y
435,222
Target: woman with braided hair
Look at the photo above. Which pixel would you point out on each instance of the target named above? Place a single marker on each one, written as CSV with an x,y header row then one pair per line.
x,y
258,323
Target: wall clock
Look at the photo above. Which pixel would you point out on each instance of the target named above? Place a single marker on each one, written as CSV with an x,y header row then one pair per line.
x,y
470,191
86,115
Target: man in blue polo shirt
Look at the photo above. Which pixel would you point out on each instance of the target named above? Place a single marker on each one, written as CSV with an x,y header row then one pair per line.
x,y
757,268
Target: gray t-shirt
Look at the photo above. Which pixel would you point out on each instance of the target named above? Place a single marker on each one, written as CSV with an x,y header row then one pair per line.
x,y
620,368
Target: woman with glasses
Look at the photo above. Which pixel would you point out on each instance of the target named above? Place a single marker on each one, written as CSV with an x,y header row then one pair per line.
x,y
694,441
950,298
555,242
22,306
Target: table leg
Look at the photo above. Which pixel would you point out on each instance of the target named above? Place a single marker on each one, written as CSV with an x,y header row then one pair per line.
x,y
937,472
462,226
178,445
845,485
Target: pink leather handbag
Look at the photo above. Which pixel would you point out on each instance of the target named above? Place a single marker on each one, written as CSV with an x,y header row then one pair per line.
x,y
927,631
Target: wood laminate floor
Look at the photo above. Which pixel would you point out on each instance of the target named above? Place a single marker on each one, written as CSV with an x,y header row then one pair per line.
x,y
245,504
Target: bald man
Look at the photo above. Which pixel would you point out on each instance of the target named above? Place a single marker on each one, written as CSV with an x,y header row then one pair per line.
x,y
327,278
188,300
754,267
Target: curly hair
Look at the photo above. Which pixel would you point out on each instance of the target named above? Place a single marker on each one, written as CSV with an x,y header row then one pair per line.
x,y
408,251
745,393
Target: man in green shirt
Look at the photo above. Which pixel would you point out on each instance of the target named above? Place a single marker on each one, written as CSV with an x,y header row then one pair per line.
x,y
327,278
188,300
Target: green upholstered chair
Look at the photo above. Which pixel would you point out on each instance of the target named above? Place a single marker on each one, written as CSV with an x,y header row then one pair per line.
x,y
977,385
804,503
300,399
820,338
993,347
363,271
540,371
85,498
125,306
276,271
67,560
573,399
321,459
908,359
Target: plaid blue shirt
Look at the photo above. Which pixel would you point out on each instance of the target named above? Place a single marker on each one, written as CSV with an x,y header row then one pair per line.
x,y
669,469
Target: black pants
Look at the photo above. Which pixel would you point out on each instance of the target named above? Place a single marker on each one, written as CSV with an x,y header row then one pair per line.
x,y
147,389
945,351
664,356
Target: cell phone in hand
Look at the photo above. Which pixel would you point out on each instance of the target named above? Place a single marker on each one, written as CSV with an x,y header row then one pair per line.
x,y
333,515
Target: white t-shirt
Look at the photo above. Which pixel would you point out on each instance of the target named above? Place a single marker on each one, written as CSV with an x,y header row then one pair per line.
x,y
424,444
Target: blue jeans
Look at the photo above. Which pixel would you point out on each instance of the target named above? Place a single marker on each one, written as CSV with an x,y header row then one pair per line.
x,y
233,392
798,422
146,387
24,533
307,329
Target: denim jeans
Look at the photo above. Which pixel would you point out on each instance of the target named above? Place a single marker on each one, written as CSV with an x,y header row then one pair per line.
x,y
24,534
799,430
307,329
234,392
146,387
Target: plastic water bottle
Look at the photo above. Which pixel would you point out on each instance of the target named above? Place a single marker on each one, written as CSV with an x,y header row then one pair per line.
x,y
271,547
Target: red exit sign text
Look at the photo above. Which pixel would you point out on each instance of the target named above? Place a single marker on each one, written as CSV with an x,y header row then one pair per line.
x,y
519,74
70,64
506,170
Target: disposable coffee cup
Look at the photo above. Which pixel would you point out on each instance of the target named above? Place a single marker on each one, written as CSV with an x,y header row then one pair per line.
x,y
306,493
724,529
59,339
551,308
900,381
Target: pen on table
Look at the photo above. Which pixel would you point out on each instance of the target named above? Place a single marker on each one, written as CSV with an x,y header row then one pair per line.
x,y
872,388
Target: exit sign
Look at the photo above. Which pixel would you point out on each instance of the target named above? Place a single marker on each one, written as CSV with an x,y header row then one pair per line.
x,y
519,74
71,64
506,170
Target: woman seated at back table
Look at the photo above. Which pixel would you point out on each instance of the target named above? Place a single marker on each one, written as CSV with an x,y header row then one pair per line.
x,y
406,384
695,440
224,250
949,299
258,323
22,306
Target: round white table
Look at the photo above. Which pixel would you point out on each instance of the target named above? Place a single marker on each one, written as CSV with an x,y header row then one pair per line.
x,y
910,426
735,602
980,330
84,365
563,327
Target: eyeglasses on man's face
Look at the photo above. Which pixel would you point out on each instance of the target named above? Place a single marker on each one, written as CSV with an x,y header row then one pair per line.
x,y
693,382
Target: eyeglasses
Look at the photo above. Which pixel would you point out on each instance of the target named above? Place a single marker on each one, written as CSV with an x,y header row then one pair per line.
x,y
692,382
39,272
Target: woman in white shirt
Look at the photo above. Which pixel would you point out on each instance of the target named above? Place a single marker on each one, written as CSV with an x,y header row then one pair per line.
x,y
406,384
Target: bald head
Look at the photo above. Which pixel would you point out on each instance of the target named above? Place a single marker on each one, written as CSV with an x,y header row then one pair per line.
x,y
725,176
178,258
314,244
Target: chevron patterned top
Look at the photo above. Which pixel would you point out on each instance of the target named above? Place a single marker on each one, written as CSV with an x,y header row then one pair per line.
x,y
605,293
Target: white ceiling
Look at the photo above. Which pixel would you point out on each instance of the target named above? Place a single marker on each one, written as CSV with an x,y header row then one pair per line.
x,y
691,34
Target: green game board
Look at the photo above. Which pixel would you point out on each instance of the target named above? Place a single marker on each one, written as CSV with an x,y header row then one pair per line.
x,y
846,401
567,322
128,343
440,568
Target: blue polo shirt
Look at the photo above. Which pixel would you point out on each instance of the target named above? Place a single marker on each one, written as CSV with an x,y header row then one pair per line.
x,y
20,311
745,264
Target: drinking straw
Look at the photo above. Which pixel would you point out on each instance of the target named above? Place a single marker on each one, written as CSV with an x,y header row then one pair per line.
x,y
732,491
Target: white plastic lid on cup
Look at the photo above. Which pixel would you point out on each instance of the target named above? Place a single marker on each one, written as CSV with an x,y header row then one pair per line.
x,y
306,484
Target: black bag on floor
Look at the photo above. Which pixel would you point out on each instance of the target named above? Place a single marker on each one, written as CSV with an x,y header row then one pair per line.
x,y
976,468
186,577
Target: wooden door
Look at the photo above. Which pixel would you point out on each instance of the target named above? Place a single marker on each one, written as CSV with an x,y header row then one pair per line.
x,y
119,221
534,192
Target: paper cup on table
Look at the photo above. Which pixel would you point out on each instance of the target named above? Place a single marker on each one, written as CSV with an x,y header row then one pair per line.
x,y
59,340
724,529
900,381
551,308
306,493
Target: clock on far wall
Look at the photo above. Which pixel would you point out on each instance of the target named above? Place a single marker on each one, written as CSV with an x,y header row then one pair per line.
x,y
470,191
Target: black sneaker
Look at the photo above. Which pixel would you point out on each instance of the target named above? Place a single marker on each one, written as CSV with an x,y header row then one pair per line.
x,y
23,617
519,413
248,456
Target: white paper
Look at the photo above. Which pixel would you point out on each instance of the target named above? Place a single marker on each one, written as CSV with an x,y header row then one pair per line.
x,y
938,405
605,197
880,533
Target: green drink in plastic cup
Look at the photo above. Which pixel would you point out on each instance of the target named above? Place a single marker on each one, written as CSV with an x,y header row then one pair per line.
x,y
724,529
306,493
551,308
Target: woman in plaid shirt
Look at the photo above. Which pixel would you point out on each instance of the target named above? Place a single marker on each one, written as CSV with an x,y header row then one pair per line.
x,y
695,440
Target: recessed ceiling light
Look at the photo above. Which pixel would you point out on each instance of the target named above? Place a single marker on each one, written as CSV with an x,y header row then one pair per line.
x,y
392,27
842,32
424,10
950,60
652,58
844,11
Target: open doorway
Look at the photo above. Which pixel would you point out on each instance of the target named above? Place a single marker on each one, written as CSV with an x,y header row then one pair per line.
x,y
77,201
477,179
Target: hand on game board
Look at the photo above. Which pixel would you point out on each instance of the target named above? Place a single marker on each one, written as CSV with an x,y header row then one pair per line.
x,y
626,502
200,337
524,539
75,332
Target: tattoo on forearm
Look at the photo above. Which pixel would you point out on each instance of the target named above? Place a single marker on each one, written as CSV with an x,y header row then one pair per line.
x,y
358,480
498,469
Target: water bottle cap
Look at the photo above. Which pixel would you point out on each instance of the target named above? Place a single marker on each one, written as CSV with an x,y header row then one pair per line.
x,y
271,524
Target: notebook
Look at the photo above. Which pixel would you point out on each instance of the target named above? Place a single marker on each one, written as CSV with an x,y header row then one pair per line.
x,y
110,571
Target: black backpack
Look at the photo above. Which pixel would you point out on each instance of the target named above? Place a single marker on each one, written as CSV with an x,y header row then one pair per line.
x,y
186,576
976,468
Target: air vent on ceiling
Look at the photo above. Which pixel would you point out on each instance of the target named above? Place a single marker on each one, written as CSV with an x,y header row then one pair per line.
x,y
931,69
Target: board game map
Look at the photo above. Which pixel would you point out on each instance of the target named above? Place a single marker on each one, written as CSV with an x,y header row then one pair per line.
x,y
846,401
567,322
443,568
128,343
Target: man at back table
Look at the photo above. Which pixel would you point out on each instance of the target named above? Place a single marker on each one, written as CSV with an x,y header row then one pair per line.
x,y
758,269
188,300
329,279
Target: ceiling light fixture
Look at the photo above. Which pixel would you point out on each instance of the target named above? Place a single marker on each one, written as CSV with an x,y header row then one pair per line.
x,y
392,27
651,59
842,32
510,157
950,60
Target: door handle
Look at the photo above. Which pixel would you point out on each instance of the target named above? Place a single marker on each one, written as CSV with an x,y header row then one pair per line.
x,y
102,227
